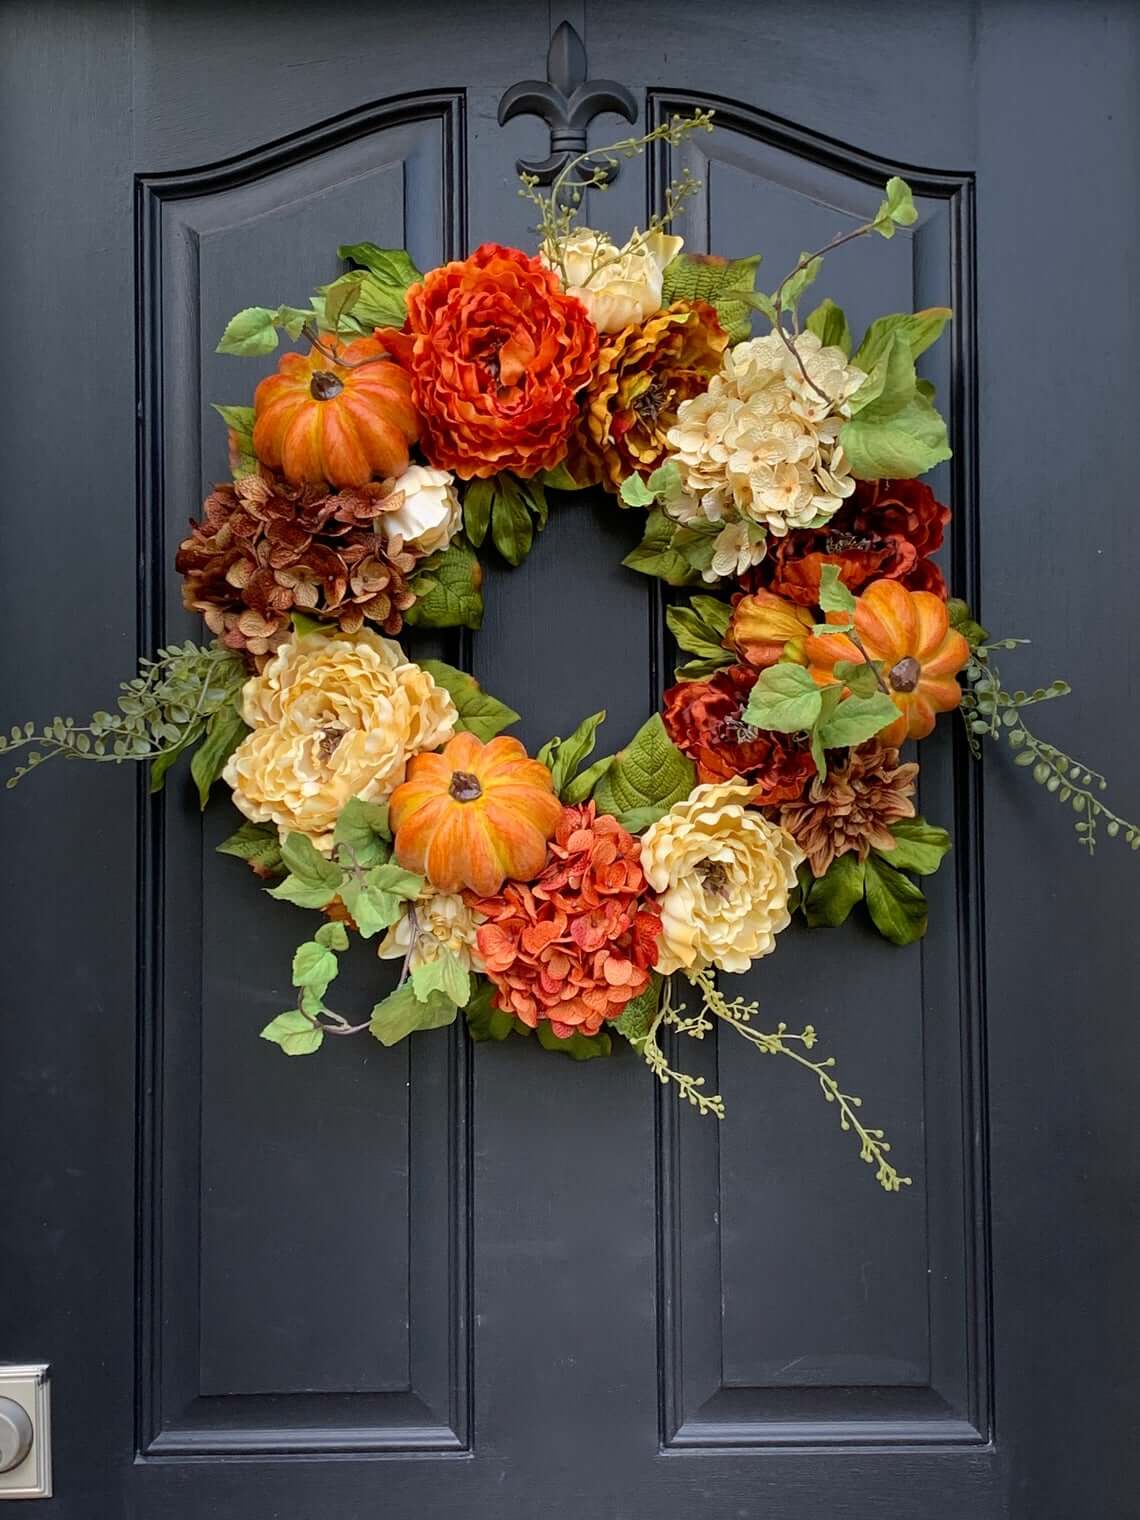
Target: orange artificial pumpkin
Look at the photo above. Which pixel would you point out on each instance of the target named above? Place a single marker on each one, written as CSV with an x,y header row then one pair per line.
x,y
316,420
474,815
908,634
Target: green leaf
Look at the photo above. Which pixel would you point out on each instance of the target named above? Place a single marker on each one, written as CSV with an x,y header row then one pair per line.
x,y
512,531
387,274
635,493
376,900
582,786
639,1013
907,445
720,281
393,878
919,328
857,719
485,1021
162,764
785,699
256,843
829,324
858,676
294,1032
452,590
224,732
393,265
250,333
792,289
579,1047
655,555
919,846
889,387
833,594
314,967
334,936
700,629
534,494
565,756
313,881
401,1013
830,898
363,829
897,907
560,479
239,418
446,974
650,772
340,298
478,499
480,714
637,820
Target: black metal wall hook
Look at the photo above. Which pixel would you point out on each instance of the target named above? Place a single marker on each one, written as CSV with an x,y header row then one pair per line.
x,y
567,101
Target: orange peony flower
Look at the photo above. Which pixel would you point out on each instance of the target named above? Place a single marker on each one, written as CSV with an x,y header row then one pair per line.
x,y
576,947
474,815
761,624
643,375
908,634
497,354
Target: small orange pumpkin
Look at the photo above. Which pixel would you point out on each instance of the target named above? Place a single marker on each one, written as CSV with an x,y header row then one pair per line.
x,y
316,420
908,635
474,815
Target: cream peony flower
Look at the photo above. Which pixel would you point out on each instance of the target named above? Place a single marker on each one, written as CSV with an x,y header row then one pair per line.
x,y
761,444
619,287
442,922
332,718
722,873
430,516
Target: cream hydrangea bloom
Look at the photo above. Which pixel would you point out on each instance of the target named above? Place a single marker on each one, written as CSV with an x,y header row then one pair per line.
x,y
722,873
761,444
618,286
332,718
442,923
430,515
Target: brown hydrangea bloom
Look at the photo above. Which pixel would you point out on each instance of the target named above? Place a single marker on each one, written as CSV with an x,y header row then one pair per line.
x,y
886,530
642,376
852,807
705,719
264,548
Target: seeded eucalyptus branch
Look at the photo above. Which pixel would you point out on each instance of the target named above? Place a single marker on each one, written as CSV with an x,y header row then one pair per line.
x,y
558,211
186,694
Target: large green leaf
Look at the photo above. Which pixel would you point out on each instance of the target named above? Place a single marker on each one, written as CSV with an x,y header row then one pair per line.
x,y
785,699
829,324
657,555
224,732
446,974
565,756
362,834
830,898
258,844
294,1032
449,590
480,714
901,448
700,630
639,1013
889,387
919,328
401,1013
313,880
856,719
919,846
650,772
897,907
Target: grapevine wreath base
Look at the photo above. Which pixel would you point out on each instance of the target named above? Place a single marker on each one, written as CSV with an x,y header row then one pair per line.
x,y
429,417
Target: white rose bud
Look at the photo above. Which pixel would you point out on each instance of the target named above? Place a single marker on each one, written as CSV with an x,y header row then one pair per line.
x,y
617,286
430,515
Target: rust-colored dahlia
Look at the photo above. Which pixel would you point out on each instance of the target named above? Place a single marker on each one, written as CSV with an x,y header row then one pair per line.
x,y
576,946
497,353
643,374
886,530
705,719
852,807
264,547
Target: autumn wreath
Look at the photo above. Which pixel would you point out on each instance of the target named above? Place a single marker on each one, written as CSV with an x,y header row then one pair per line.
x,y
433,415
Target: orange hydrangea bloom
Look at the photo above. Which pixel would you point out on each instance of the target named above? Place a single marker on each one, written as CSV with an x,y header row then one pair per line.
x,y
575,947
908,634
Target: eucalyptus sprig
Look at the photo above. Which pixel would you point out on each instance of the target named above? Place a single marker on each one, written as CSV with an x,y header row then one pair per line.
x,y
642,1028
592,170
186,694
990,711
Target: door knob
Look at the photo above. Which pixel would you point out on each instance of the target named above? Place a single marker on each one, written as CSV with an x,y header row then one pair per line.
x,y
15,1434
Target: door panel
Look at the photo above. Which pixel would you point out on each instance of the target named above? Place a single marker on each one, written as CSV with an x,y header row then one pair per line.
x,y
450,1281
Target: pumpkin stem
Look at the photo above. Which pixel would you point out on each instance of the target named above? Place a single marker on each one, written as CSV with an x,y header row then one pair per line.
x,y
325,385
906,674
465,787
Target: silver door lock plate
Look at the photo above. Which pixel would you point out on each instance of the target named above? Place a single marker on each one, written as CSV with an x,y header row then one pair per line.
x,y
25,1432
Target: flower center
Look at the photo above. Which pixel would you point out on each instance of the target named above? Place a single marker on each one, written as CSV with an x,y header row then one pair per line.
x,y
839,543
905,675
734,730
324,385
648,405
714,878
465,787
330,738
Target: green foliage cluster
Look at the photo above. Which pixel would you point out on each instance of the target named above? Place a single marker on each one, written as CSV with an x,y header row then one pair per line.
x,y
700,629
720,282
510,508
187,696
895,903
449,589
479,713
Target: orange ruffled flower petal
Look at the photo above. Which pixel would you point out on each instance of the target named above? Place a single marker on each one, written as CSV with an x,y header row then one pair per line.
x,y
575,947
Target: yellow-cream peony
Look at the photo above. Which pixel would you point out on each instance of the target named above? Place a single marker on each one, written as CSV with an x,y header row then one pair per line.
x,y
332,718
430,516
442,922
761,444
722,873
618,286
